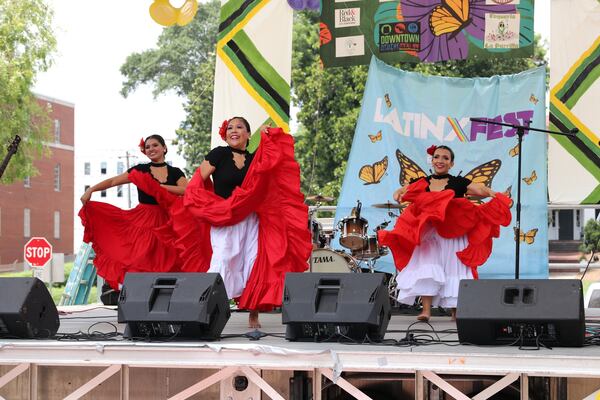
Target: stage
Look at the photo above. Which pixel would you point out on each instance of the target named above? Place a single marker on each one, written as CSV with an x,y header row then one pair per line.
x,y
110,367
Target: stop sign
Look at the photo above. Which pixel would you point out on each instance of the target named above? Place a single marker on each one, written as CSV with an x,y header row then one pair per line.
x,y
37,251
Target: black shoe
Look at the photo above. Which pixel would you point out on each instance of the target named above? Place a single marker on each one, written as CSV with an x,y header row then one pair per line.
x,y
109,296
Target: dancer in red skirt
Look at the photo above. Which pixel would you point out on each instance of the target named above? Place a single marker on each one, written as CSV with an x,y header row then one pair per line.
x,y
252,227
128,240
442,237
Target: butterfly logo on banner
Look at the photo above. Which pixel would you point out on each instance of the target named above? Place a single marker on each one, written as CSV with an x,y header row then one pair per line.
x,y
372,174
447,26
527,237
484,173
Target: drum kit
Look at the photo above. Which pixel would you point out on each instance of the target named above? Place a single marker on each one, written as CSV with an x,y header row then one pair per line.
x,y
363,249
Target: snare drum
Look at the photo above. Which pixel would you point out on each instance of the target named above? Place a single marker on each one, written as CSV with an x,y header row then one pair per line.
x,y
353,232
326,260
372,250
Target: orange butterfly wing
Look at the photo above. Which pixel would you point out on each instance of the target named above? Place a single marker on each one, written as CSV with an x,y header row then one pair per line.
x,y
372,174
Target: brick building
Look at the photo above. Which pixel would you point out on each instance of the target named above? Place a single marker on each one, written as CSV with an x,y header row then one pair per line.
x,y
42,205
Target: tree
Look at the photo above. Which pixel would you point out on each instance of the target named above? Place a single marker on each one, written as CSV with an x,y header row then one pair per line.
x,y
183,61
26,46
591,237
329,101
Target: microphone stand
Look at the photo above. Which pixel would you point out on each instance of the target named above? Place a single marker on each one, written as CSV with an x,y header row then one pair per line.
x,y
520,133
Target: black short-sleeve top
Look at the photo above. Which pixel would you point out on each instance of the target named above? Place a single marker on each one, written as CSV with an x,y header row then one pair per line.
x,y
173,175
456,183
227,176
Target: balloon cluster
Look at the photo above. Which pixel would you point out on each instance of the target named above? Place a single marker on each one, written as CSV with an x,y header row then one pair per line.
x,y
305,4
163,13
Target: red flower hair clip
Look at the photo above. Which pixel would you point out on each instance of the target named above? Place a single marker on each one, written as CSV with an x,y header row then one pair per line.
x,y
142,145
223,129
431,149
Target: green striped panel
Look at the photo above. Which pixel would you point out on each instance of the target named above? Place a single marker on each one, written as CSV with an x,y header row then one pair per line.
x,y
262,66
259,89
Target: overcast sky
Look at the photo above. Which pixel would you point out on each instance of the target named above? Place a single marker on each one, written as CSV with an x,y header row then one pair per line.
x,y
94,39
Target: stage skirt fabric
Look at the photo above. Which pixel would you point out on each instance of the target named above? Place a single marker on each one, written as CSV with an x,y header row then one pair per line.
x,y
234,253
451,218
127,240
433,270
271,191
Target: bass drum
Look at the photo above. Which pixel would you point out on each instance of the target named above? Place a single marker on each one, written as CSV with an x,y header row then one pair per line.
x,y
327,260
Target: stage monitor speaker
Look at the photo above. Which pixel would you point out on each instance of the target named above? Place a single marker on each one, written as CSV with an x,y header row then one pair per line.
x,y
529,312
174,305
26,309
335,306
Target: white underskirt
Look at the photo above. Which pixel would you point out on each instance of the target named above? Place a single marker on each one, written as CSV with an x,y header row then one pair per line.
x,y
434,270
234,252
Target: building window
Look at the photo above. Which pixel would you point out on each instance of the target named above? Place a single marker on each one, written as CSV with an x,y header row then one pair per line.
x,y
26,222
27,182
56,224
577,217
103,193
87,168
103,167
119,191
57,131
86,188
57,178
120,167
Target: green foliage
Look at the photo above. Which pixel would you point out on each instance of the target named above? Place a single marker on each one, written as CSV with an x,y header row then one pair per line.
x,y
183,61
26,46
330,100
591,236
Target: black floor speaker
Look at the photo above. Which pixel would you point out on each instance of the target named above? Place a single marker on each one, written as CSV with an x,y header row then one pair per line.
x,y
26,309
335,307
530,312
174,305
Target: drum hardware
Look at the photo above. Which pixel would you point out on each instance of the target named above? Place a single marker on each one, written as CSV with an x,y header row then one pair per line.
x,y
353,230
389,205
320,198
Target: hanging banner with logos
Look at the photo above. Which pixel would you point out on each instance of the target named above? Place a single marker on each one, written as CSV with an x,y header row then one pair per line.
x,y
574,162
351,31
403,113
254,65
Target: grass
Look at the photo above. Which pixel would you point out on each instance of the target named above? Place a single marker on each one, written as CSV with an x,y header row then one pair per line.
x,y
57,288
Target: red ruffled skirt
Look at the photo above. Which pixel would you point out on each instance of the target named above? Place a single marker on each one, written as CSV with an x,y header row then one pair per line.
x,y
127,240
271,189
452,218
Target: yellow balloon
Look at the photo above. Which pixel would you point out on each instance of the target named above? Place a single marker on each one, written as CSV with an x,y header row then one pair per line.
x,y
187,12
163,13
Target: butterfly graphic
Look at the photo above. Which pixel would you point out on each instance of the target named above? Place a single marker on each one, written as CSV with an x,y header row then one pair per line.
x,y
324,33
484,173
514,151
508,193
410,171
376,138
448,28
533,99
527,237
388,102
449,17
531,179
372,174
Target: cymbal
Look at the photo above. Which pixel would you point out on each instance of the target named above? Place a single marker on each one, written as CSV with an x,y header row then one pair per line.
x,y
387,205
320,198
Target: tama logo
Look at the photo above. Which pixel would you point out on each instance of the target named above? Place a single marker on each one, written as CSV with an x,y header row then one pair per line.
x,y
322,259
